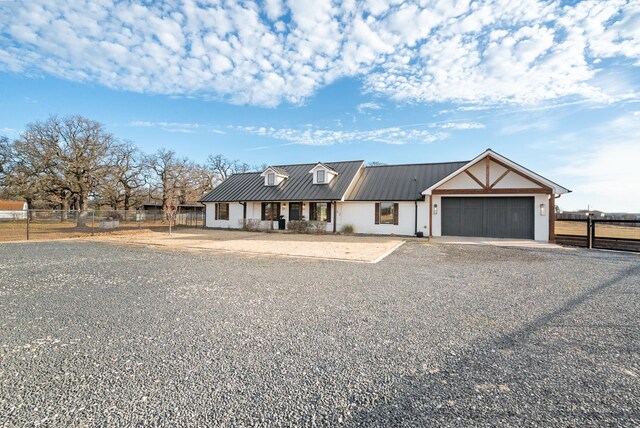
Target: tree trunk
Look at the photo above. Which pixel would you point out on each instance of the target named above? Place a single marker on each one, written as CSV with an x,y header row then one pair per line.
x,y
84,210
64,209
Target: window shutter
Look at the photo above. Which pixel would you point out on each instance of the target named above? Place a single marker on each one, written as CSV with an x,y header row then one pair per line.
x,y
263,213
329,212
377,215
395,214
215,210
312,211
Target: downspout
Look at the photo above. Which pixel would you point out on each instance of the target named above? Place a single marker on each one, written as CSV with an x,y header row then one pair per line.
x,y
335,216
416,217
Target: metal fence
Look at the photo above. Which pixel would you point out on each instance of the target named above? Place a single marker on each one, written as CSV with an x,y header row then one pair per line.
x,y
52,224
603,233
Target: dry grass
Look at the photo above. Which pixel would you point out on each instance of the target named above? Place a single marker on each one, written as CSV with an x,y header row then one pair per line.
x,y
602,230
39,231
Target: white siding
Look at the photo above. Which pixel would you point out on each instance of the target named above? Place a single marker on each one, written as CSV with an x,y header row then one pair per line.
x,y
361,215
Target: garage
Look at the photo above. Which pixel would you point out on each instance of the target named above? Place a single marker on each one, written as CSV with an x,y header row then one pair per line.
x,y
490,217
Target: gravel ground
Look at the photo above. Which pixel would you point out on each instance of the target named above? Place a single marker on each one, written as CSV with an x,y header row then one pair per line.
x,y
96,334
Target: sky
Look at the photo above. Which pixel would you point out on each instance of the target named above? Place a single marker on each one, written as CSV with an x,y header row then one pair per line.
x,y
552,85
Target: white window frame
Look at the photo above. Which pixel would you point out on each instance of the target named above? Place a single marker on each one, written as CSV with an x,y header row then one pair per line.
x,y
324,175
271,179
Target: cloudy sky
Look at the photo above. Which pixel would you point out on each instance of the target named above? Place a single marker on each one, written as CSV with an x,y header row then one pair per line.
x,y
553,85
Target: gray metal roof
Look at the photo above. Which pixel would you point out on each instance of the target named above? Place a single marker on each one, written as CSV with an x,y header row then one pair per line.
x,y
298,187
278,170
396,182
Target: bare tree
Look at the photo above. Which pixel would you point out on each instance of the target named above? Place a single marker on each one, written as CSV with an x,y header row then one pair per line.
x,y
125,176
170,207
67,157
376,163
221,166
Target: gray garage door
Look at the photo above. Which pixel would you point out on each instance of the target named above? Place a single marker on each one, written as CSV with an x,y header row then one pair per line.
x,y
488,217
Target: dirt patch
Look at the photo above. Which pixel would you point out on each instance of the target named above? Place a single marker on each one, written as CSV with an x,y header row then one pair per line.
x,y
334,247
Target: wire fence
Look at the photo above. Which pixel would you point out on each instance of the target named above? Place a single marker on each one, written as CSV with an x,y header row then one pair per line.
x,y
55,224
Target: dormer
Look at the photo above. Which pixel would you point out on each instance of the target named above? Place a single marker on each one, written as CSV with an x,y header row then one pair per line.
x,y
323,174
273,176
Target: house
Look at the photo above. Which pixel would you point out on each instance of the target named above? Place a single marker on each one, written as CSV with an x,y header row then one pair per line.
x,y
488,196
13,210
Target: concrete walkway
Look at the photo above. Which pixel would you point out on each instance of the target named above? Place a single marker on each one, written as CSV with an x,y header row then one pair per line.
x,y
498,242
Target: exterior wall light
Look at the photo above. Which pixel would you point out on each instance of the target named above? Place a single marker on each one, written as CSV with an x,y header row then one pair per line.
x,y
542,209
435,209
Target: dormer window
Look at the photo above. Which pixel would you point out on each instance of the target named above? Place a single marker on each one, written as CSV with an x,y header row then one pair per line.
x,y
323,174
273,176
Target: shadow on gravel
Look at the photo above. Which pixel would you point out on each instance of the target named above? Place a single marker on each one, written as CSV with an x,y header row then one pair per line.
x,y
514,379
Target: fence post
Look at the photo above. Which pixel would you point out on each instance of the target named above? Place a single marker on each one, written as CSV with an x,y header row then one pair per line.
x,y
28,215
93,216
593,232
589,220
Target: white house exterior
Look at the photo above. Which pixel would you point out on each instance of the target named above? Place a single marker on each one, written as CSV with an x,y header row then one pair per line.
x,y
13,210
489,196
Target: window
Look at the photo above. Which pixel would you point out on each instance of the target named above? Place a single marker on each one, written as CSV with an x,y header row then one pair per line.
x,y
386,213
270,211
320,211
222,211
271,179
320,176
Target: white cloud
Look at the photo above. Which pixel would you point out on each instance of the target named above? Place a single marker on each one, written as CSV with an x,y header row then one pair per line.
x,y
363,107
461,125
187,128
477,53
325,137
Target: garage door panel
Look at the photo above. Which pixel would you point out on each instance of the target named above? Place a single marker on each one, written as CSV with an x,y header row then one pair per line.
x,y
496,217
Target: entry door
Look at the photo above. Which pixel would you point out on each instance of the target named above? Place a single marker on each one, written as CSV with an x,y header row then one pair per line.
x,y
295,211
495,217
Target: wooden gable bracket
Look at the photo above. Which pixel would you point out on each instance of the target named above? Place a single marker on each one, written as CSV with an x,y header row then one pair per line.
x,y
475,179
515,171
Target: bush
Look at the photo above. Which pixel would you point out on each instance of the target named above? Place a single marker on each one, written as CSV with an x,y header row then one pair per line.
x,y
347,228
299,226
251,224
319,227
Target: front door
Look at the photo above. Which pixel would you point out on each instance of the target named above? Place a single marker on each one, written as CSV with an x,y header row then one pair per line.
x,y
295,211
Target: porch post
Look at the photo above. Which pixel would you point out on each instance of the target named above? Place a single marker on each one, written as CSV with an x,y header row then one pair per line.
x,y
335,216
552,219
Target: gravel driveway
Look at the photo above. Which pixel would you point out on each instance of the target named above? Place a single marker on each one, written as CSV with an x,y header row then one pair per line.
x,y
96,334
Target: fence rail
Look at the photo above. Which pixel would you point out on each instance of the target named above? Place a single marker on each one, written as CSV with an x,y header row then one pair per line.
x,y
52,224
607,234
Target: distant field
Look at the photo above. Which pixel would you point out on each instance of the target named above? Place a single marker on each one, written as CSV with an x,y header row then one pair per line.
x,y
602,230
17,231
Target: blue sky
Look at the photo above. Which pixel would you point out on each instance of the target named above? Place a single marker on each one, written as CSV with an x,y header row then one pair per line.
x,y
551,85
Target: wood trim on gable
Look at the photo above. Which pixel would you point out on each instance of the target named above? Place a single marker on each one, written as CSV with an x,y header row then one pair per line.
x,y
475,179
490,191
525,176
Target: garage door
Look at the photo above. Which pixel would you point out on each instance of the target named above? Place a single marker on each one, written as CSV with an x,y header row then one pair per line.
x,y
488,217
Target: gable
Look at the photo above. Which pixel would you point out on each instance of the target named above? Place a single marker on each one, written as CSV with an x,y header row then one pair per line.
x,y
499,177
492,173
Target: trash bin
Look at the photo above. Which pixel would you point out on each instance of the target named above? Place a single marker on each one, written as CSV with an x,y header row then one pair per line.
x,y
281,223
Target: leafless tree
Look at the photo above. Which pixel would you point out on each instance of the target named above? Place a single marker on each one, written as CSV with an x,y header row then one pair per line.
x,y
66,157
125,177
376,163
220,165
170,207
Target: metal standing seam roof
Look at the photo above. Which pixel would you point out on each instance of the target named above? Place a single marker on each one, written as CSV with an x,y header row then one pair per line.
x,y
399,182
298,187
